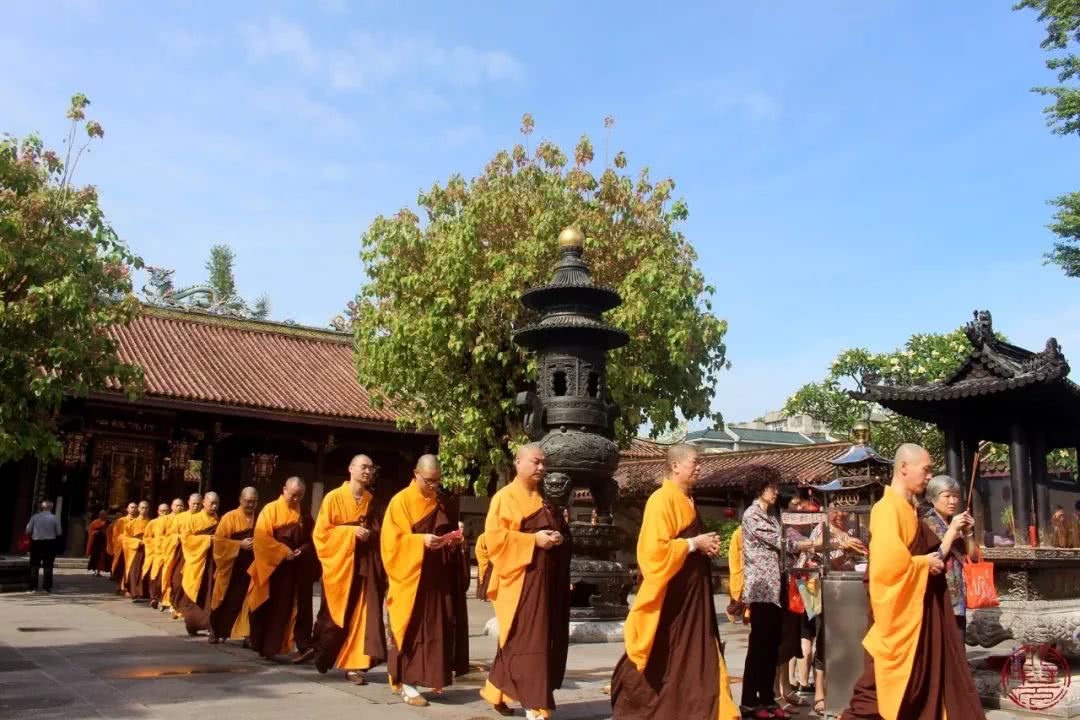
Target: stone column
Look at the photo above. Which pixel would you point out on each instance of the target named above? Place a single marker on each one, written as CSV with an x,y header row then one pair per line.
x,y
1020,482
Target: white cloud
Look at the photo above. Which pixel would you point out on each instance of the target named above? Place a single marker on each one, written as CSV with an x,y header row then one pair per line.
x,y
371,59
187,42
297,104
276,38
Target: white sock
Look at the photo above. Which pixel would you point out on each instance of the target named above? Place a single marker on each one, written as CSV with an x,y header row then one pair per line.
x,y
409,690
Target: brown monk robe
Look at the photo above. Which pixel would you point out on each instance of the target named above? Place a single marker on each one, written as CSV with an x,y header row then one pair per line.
x,y
119,529
197,544
915,667
419,544
97,544
282,575
181,528
672,625
153,539
529,550
349,632
168,542
134,552
233,554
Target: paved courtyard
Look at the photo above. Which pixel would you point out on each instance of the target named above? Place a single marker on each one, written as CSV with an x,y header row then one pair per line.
x,y
83,652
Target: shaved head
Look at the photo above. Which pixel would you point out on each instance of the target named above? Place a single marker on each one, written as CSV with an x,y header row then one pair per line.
x,y
681,451
683,465
194,502
162,509
177,505
912,470
529,465
428,462
293,492
211,503
361,470
249,498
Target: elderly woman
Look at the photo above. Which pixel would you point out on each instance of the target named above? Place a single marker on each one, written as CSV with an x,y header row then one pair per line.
x,y
943,494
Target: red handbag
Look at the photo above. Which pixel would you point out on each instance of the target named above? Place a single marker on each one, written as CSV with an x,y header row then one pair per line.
x,y
979,581
794,598
23,545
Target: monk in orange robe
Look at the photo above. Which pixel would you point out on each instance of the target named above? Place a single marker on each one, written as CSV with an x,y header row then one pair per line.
x,y
420,545
233,554
672,625
483,567
152,563
97,545
529,551
349,631
134,552
196,543
175,577
168,541
282,577
119,528
915,665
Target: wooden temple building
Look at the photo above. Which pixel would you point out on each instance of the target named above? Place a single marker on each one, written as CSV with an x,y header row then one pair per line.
x,y
1001,394
227,403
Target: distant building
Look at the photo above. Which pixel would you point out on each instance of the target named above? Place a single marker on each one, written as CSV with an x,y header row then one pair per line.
x,y
735,438
777,420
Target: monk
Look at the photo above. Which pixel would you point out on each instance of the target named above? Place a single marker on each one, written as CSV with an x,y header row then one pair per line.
x,y
529,551
152,563
483,567
282,577
132,547
672,625
168,542
119,529
175,569
349,631
419,550
915,664
97,544
135,553
233,554
196,543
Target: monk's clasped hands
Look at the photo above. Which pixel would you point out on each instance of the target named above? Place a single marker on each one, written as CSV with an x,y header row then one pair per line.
x,y
547,539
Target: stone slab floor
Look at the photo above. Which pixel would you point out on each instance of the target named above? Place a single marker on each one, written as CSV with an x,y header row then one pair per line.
x,y
83,652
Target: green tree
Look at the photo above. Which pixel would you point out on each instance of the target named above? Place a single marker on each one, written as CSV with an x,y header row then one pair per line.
x,y
1062,20
433,322
924,358
64,280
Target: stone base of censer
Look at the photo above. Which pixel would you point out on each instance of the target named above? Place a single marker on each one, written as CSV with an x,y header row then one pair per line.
x,y
1039,593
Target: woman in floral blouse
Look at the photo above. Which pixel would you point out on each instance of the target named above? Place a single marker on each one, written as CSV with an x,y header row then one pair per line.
x,y
943,494
763,543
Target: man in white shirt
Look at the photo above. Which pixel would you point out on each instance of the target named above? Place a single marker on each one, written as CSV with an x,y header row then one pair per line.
x,y
44,531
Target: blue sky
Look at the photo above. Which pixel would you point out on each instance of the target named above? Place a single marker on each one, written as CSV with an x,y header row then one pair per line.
x,y
855,172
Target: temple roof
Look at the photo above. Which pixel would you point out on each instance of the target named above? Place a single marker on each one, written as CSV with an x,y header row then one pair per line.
x,y
228,363
997,384
800,466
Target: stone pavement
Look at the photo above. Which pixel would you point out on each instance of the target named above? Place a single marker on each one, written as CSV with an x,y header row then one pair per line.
x,y
86,653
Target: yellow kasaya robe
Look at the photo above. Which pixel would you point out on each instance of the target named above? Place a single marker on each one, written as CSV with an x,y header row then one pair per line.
x,y
348,608
530,590
226,553
269,554
403,555
150,543
196,543
169,551
130,542
897,585
116,545
162,530
483,565
650,681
